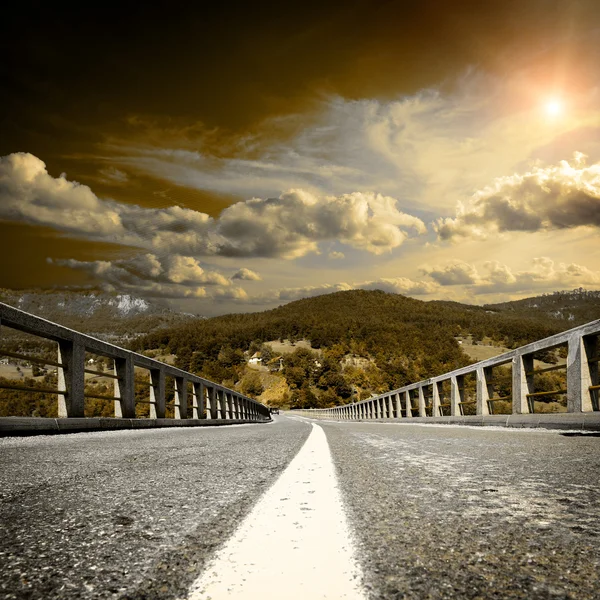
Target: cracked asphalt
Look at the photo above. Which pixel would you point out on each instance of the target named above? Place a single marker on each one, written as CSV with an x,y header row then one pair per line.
x,y
471,512
437,512
129,514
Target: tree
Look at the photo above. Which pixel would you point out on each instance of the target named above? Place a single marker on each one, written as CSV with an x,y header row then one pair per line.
x,y
251,384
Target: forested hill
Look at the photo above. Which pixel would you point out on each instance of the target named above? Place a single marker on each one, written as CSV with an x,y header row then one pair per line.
x,y
576,307
404,339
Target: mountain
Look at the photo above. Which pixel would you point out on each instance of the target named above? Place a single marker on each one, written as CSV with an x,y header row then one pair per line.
x,y
400,339
574,307
113,317
314,352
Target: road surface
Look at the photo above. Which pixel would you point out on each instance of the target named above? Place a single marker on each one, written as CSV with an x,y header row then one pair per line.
x,y
428,511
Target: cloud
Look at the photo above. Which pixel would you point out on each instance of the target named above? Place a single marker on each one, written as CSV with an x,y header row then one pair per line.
x,y
113,175
171,276
397,285
334,255
289,226
400,285
494,277
455,273
292,224
246,275
428,149
555,197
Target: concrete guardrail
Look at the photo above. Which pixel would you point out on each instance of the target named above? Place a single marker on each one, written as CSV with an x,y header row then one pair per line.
x,y
443,399
211,403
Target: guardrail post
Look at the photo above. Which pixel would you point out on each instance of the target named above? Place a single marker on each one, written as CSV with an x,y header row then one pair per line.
x,y
485,390
407,404
398,404
580,372
124,388
217,404
157,394
226,404
457,394
435,400
197,400
180,398
592,345
422,408
229,405
522,384
236,407
210,402
71,355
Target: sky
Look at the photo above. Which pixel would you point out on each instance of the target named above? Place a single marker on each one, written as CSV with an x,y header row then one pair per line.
x,y
234,158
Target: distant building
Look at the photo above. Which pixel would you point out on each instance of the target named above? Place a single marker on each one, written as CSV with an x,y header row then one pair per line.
x,y
256,359
276,364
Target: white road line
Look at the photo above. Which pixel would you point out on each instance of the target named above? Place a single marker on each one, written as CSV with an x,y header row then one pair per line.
x,y
295,544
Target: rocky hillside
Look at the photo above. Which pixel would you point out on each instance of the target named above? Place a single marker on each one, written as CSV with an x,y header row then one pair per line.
x,y
114,317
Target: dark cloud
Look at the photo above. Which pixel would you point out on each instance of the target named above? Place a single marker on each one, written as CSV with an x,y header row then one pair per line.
x,y
555,197
246,275
290,226
171,276
456,273
76,74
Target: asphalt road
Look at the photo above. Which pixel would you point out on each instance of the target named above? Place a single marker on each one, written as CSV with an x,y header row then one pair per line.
x,y
129,514
436,511
471,512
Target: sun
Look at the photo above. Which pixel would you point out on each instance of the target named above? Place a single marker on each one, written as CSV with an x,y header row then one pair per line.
x,y
554,107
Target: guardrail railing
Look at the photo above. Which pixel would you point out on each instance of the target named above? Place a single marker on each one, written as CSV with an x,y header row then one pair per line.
x,y
448,395
209,400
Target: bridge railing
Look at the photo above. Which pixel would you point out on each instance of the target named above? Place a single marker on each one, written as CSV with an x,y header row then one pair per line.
x,y
209,400
446,395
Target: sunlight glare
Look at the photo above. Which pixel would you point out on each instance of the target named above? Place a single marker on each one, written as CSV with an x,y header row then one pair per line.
x,y
554,107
